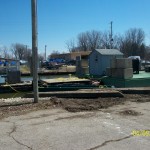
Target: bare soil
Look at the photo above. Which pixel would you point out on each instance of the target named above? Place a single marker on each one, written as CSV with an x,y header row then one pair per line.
x,y
130,113
71,105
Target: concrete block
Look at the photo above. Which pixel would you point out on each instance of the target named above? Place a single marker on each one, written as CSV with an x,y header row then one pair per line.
x,y
85,70
121,63
13,77
147,68
81,70
113,63
124,63
122,73
108,72
84,63
78,68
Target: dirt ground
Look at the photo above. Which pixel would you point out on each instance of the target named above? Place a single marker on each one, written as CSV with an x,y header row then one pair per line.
x,y
71,105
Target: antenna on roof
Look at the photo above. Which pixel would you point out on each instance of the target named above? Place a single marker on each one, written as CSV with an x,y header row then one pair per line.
x,y
111,35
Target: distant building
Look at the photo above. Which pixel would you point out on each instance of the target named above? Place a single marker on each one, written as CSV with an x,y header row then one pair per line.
x,y
71,56
99,60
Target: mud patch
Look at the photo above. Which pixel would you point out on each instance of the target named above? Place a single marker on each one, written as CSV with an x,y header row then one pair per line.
x,y
130,113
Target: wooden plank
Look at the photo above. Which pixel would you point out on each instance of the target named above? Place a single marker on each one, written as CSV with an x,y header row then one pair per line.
x,y
17,84
63,80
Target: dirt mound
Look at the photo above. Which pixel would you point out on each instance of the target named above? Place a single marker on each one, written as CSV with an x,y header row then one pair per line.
x,y
130,113
142,100
71,105
138,98
19,109
74,105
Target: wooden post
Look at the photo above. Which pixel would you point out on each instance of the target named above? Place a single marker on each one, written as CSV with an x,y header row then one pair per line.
x,y
34,50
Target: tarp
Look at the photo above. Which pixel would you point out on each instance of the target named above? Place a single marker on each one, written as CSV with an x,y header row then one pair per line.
x,y
57,60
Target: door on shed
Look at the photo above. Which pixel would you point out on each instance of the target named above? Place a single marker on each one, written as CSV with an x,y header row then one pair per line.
x,y
94,63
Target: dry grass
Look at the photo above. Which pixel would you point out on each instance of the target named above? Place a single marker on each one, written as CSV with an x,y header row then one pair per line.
x,y
24,69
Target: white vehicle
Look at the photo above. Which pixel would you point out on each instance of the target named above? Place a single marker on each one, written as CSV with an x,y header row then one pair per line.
x,y
135,57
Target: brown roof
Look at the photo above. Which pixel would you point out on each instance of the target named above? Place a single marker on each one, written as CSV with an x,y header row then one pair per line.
x,y
82,52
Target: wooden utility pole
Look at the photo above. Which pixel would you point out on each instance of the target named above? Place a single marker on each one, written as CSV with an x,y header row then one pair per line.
x,y
34,50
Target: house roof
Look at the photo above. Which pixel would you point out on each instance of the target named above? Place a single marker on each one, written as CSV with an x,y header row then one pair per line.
x,y
109,51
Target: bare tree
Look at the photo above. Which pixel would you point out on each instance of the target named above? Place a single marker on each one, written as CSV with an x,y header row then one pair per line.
x,y
94,39
27,54
147,53
55,52
5,53
130,43
135,35
117,41
106,40
87,41
41,57
83,41
142,51
71,45
18,50
133,42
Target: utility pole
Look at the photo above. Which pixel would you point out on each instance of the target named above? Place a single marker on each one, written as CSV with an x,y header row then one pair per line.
x,y
45,51
34,50
111,35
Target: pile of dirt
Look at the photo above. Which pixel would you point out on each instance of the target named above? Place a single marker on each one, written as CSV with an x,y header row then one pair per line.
x,y
19,109
142,99
138,98
73,105
130,113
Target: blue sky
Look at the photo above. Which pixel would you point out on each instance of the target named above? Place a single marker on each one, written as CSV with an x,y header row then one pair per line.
x,y
62,20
